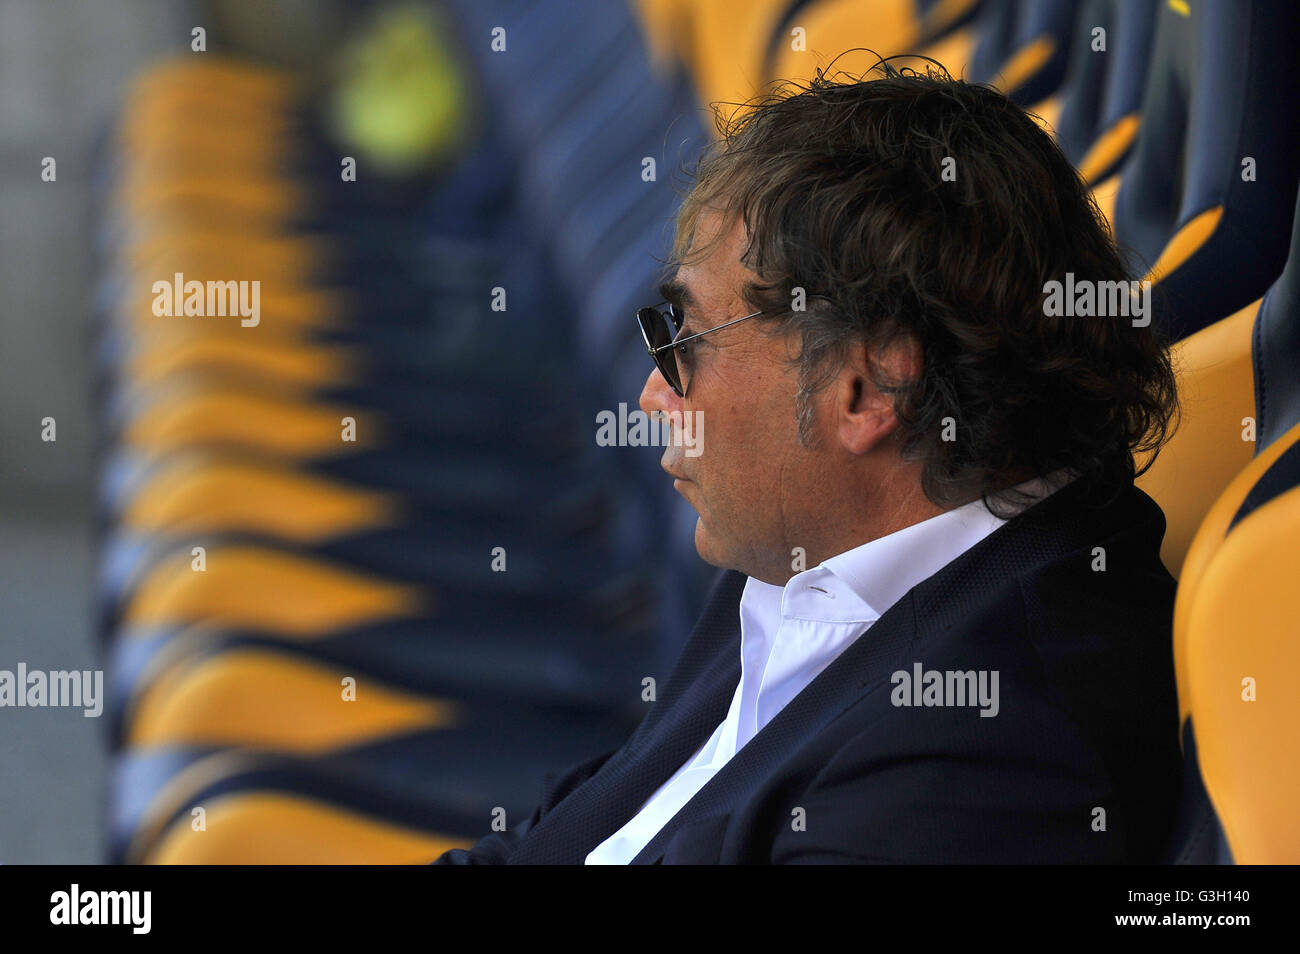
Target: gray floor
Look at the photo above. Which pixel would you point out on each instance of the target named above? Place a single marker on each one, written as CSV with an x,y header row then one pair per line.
x,y
63,67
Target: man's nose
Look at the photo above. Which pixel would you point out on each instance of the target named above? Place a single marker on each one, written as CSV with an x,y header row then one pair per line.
x,y
658,396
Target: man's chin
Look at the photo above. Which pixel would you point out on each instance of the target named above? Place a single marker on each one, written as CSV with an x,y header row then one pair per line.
x,y
707,547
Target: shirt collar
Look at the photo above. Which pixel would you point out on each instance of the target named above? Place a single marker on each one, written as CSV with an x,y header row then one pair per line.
x,y
881,571
861,584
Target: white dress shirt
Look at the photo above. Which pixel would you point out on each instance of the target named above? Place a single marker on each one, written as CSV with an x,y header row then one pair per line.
x,y
789,634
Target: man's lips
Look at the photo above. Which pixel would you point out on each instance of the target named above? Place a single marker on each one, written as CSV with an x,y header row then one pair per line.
x,y
671,460
678,481
677,478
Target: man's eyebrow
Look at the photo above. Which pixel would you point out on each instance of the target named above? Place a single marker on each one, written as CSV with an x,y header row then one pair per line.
x,y
678,295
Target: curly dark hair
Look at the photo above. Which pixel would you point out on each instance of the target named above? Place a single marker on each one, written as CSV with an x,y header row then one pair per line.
x,y
841,189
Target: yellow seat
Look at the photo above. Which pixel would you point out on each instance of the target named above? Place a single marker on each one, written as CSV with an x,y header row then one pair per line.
x,y
833,28
294,368
1047,112
186,203
1025,62
182,145
211,77
263,828
728,45
253,698
236,419
1104,195
953,52
286,314
269,591
199,496
667,26
1216,391
944,16
1237,656
284,261
1109,147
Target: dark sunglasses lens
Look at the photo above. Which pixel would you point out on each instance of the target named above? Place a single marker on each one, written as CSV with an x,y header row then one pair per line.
x,y
659,330
655,326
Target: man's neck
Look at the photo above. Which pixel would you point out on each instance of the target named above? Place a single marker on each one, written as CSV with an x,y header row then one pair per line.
x,y
854,529
847,531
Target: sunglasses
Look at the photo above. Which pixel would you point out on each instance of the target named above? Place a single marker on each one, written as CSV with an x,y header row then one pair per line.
x,y
660,325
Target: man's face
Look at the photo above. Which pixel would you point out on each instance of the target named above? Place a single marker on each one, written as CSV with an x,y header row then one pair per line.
x,y
753,485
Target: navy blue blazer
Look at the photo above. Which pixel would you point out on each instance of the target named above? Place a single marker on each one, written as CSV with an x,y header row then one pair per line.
x,y
1080,765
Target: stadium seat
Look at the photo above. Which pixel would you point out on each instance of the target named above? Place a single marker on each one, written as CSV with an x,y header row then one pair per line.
x,y
1033,67
852,35
1216,393
369,559
1235,650
1101,98
1204,205
420,791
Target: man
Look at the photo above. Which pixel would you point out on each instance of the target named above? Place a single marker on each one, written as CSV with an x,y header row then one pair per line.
x,y
943,633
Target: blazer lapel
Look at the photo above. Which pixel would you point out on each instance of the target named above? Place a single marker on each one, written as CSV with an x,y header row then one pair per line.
x,y
688,711
866,662
1040,534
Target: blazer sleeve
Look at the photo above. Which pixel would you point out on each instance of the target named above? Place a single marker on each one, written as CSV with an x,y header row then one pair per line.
x,y
496,848
938,787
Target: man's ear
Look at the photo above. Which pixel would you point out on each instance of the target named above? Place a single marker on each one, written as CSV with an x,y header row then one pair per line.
x,y
864,415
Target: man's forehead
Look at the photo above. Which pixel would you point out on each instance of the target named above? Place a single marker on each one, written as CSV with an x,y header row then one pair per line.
x,y
719,274
723,233
713,222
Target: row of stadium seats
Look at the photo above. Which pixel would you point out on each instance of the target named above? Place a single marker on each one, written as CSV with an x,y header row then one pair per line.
x,y
369,558
418,561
